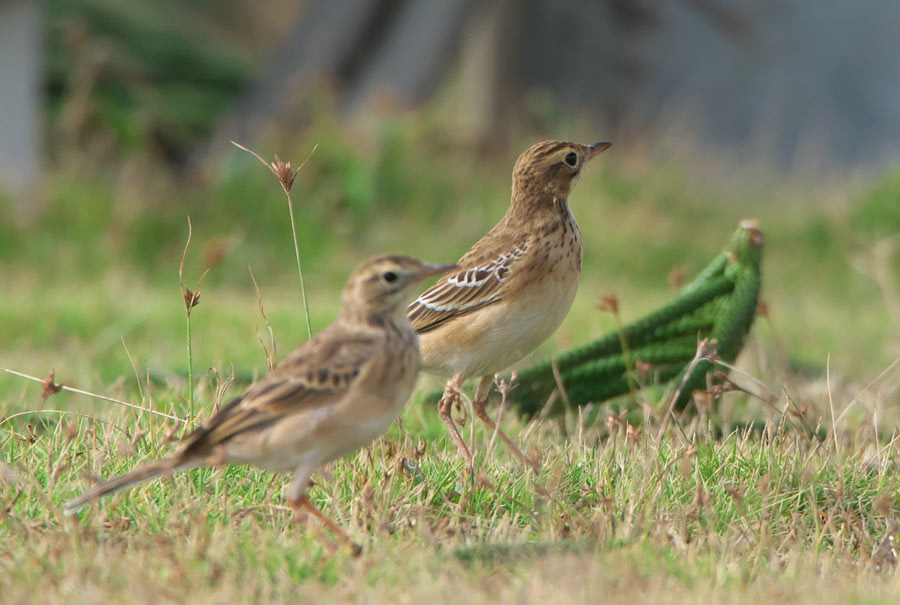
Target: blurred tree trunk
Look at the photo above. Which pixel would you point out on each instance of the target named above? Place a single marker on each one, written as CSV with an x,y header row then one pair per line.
x,y
514,59
414,53
321,47
20,94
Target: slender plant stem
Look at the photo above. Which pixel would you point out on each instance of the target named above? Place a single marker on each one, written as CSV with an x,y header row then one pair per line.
x,y
87,393
626,355
299,268
286,175
190,354
190,301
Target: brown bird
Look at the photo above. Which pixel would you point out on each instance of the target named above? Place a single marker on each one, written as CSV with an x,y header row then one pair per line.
x,y
332,395
513,287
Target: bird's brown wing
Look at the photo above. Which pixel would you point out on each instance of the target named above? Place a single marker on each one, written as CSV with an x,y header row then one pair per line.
x,y
482,280
317,374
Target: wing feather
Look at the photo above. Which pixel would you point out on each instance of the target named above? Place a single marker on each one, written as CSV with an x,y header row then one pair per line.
x,y
318,373
478,284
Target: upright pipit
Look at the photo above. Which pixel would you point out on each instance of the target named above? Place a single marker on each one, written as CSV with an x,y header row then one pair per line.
x,y
332,395
513,287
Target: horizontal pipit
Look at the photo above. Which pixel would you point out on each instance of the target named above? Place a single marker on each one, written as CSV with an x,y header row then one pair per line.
x,y
512,288
332,395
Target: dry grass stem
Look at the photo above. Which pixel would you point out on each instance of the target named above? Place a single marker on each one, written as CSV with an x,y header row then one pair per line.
x,y
191,300
286,175
270,351
95,396
706,350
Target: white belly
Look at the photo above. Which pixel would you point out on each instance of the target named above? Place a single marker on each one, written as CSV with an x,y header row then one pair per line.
x,y
494,337
499,335
317,436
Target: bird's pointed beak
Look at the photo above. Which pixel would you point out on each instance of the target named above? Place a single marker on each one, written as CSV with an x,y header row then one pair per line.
x,y
597,148
428,270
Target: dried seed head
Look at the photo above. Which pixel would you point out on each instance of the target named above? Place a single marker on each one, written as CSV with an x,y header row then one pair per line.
x,y
707,349
642,368
49,387
191,299
612,424
609,302
677,276
632,433
282,170
419,450
505,386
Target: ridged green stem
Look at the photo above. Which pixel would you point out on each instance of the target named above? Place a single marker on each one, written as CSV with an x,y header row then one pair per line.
x,y
636,333
190,355
719,303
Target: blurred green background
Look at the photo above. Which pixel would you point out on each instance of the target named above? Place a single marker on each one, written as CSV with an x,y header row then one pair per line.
x,y
133,101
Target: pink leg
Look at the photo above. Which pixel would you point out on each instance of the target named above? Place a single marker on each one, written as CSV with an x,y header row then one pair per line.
x,y
304,503
481,394
451,395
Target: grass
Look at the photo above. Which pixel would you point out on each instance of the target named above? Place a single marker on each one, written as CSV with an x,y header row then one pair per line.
x,y
712,511
747,516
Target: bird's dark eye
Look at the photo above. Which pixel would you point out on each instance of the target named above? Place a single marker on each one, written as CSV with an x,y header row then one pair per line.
x,y
571,159
390,276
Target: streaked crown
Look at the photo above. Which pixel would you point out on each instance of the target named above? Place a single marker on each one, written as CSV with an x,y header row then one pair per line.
x,y
385,284
552,167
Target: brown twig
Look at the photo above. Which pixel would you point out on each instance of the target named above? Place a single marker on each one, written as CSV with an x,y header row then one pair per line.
x,y
49,388
271,356
706,349
89,394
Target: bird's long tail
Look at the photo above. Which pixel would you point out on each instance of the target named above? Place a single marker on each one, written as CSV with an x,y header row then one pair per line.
x,y
148,471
